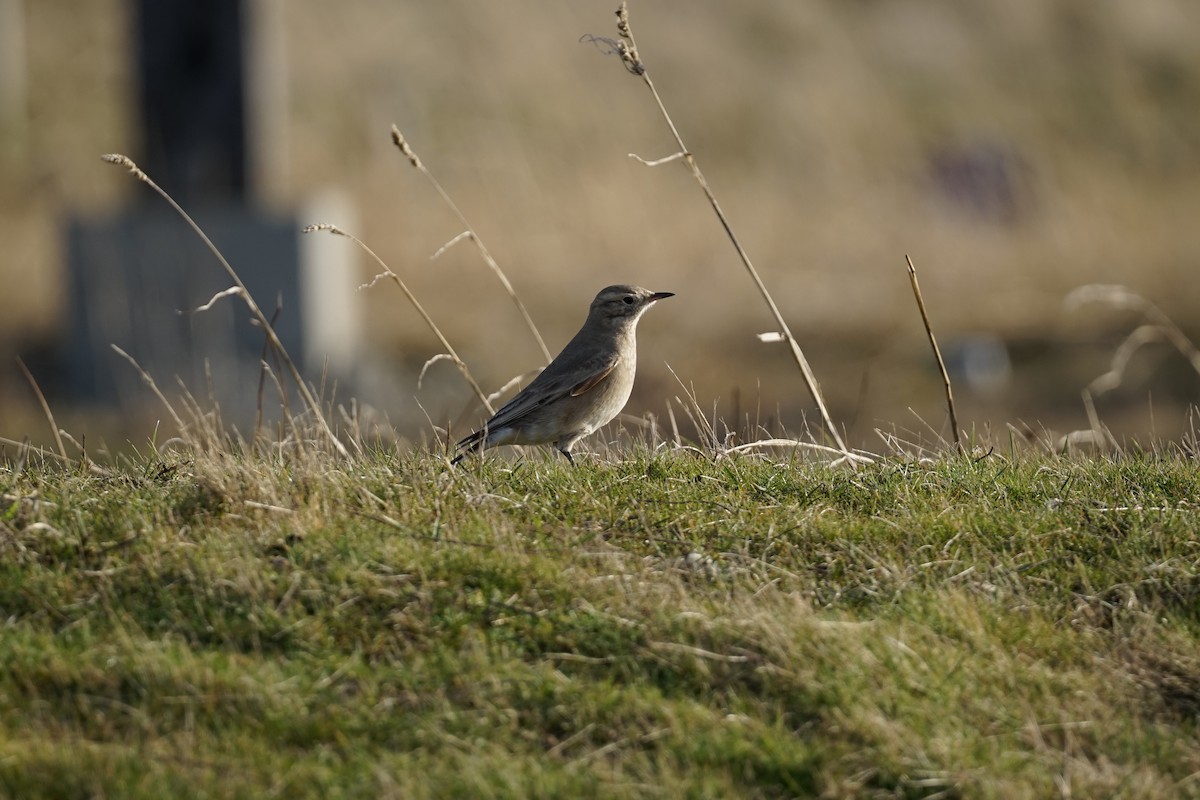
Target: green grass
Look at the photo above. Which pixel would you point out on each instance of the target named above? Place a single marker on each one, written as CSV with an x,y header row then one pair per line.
x,y
663,625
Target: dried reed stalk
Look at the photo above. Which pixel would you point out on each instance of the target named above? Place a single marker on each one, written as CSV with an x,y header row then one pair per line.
x,y
627,49
937,353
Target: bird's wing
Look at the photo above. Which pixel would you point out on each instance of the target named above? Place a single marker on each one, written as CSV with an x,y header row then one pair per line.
x,y
572,379
593,380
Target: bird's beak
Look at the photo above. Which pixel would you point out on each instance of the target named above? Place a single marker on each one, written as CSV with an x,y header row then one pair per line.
x,y
660,295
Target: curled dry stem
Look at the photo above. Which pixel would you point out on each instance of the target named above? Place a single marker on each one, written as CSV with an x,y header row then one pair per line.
x,y
1158,327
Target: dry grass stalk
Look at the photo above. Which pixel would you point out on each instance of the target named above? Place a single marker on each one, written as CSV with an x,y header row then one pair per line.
x,y
25,449
627,49
937,354
713,447
388,273
404,147
262,373
796,444
297,433
37,390
704,428
148,379
1158,327
305,393
206,431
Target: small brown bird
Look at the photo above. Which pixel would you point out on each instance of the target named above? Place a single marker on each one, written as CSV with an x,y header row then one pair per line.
x,y
583,388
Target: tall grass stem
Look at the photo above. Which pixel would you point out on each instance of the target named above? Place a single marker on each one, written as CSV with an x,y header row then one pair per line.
x,y
937,353
633,62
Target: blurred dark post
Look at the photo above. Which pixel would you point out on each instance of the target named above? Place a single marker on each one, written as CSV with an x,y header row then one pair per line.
x,y
211,120
192,77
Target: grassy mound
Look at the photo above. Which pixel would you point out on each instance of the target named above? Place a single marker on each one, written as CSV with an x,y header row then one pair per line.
x,y
666,624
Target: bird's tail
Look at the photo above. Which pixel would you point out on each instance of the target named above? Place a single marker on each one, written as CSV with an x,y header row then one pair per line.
x,y
471,444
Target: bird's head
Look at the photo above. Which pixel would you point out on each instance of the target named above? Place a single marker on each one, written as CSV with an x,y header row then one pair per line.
x,y
620,302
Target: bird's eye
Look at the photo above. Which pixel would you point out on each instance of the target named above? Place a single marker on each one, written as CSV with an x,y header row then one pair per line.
x,y
627,300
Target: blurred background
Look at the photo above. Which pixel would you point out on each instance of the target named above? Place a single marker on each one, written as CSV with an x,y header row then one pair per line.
x,y
1015,150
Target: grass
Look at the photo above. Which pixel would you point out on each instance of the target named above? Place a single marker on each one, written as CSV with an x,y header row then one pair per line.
x,y
287,616
237,625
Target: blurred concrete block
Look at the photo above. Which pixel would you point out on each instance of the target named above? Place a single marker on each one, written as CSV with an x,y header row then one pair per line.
x,y
137,278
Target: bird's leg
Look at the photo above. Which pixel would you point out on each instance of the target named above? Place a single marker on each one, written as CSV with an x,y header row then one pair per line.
x,y
567,453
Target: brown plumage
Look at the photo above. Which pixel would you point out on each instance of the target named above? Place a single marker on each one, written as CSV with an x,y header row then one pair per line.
x,y
583,388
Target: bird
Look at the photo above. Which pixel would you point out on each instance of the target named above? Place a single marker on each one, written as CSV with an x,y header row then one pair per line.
x,y
583,388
